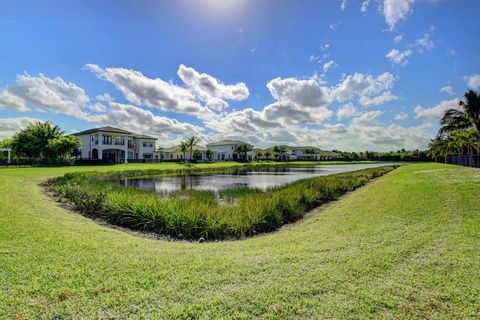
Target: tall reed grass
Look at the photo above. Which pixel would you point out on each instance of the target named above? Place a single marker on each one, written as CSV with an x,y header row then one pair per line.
x,y
198,214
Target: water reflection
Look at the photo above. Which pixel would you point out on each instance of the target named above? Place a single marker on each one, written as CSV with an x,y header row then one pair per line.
x,y
262,179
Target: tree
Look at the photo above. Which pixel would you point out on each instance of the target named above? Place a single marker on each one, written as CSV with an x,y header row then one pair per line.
x,y
43,140
259,155
191,143
439,147
267,155
243,148
7,143
280,150
63,146
468,117
209,154
197,155
183,148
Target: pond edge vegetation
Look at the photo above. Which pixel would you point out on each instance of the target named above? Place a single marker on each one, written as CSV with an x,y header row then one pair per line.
x,y
94,195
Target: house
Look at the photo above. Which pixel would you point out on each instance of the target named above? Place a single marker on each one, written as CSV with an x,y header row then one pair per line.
x,y
303,153
224,150
173,153
291,153
115,145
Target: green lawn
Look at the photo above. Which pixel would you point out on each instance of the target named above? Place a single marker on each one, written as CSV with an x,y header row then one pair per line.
x,y
405,245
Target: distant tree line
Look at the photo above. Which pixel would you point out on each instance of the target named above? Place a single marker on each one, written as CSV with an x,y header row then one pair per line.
x,y
398,155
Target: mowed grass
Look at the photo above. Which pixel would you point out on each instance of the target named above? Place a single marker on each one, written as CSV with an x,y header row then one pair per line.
x,y
404,246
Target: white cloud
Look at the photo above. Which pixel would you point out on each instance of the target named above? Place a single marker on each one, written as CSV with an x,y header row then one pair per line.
x,y
335,129
398,38
46,94
370,90
343,5
473,81
12,101
399,58
144,121
297,102
367,118
448,90
329,65
334,26
208,88
347,111
155,93
425,42
436,112
324,54
364,7
396,10
8,126
303,93
104,97
366,133
385,97
400,116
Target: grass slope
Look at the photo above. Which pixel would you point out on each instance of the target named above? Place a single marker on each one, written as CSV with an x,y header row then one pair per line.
x,y
404,246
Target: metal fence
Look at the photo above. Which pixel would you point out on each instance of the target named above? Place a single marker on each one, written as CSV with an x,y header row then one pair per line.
x,y
467,161
34,162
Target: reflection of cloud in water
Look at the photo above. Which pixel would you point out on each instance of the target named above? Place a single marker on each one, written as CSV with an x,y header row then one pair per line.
x,y
263,179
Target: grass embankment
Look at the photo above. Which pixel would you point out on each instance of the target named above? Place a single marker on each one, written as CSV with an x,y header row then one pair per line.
x,y
197,214
403,246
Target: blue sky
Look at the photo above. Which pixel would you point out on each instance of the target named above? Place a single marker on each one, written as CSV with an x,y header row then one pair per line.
x,y
352,75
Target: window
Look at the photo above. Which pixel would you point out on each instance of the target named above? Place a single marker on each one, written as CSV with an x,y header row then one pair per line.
x,y
148,144
131,144
95,138
148,156
119,141
107,140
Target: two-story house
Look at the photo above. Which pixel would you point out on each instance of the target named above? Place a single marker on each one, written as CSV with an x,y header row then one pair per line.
x,y
115,145
224,150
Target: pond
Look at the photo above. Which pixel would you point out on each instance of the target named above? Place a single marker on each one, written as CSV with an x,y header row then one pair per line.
x,y
261,179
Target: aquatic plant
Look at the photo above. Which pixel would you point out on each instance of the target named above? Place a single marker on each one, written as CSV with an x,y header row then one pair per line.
x,y
196,214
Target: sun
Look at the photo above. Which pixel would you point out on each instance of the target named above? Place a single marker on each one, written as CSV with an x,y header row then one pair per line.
x,y
223,5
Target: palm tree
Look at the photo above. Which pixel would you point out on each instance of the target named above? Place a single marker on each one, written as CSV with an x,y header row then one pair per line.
x,y
33,140
468,117
439,147
243,148
183,148
280,150
191,143
467,141
267,155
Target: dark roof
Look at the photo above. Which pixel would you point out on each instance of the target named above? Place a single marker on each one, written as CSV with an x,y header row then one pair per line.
x,y
142,136
103,129
113,130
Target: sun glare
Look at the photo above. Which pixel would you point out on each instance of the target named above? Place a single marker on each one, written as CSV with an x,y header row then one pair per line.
x,y
222,5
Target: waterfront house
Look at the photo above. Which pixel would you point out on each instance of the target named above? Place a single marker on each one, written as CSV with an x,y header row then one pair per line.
x,y
115,145
173,153
224,150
